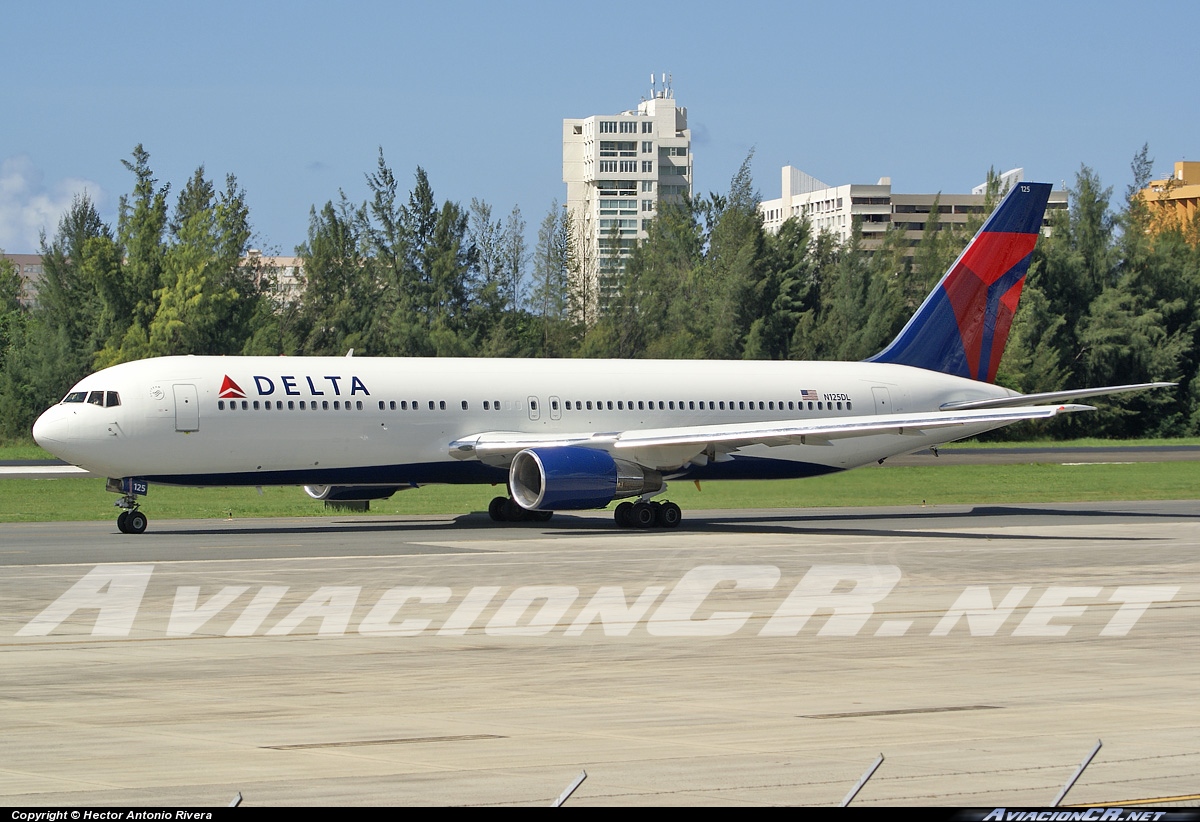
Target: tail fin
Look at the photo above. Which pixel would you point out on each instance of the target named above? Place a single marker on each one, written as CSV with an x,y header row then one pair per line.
x,y
963,325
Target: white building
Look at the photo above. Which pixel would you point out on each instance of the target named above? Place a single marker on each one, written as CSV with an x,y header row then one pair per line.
x,y
618,169
835,208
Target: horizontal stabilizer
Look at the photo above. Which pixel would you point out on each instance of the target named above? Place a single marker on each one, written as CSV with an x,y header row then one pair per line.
x,y
1052,396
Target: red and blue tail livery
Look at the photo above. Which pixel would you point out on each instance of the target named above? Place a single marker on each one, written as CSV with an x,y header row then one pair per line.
x,y
962,326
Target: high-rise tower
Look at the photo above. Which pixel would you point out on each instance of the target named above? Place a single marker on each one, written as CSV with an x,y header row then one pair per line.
x,y
618,169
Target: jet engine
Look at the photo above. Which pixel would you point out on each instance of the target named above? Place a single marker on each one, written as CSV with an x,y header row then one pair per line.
x,y
351,493
573,477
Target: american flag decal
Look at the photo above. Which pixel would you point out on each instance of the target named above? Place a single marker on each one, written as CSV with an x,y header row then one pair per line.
x,y
806,394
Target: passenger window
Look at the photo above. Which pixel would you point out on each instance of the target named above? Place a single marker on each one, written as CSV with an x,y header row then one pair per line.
x,y
324,405
442,405
256,405
487,406
292,405
464,405
220,405
358,405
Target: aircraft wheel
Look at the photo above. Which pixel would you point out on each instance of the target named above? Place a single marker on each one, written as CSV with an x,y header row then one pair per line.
x,y
541,516
496,509
136,523
643,515
123,522
624,515
669,515
514,512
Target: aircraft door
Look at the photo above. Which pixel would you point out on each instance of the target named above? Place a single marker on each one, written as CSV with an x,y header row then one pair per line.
x,y
187,408
883,399
555,408
534,411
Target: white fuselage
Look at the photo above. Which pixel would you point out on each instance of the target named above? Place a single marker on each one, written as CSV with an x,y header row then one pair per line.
x,y
360,420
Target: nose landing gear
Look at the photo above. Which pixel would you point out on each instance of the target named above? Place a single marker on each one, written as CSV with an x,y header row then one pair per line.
x,y
132,522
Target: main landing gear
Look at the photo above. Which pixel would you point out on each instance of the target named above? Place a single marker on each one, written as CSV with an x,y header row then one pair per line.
x,y
648,515
503,509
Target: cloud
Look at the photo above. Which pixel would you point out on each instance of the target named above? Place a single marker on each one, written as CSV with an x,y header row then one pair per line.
x,y
29,206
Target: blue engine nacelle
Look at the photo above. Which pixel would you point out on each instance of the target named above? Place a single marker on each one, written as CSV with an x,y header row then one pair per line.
x,y
351,493
573,477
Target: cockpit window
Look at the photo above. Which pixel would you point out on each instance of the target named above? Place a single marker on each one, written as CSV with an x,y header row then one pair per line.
x,y
111,398
75,396
96,398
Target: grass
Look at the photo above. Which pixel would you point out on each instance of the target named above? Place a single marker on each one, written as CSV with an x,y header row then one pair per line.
x,y
23,451
85,499
1086,442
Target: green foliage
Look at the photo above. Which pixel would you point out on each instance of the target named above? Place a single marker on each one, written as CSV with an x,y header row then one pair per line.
x,y
1106,300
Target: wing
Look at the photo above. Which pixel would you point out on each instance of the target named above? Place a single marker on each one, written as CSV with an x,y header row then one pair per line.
x,y
668,448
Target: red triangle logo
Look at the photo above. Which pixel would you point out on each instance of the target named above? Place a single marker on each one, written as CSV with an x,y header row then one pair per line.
x,y
231,390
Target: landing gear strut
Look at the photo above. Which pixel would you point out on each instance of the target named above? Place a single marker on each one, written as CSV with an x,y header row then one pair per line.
x,y
504,509
648,515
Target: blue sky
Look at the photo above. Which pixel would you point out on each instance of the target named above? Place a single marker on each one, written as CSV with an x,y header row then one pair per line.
x,y
295,99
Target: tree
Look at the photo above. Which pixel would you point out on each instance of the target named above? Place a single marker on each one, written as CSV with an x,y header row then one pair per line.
x,y
87,307
142,219
550,298
12,313
338,306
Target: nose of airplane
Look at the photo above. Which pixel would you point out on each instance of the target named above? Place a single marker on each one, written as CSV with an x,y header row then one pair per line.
x,y
51,429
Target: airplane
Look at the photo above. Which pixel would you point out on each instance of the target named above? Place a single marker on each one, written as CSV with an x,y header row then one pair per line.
x,y
565,434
